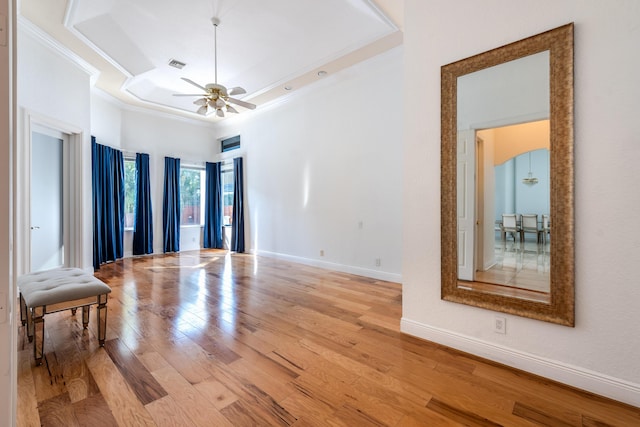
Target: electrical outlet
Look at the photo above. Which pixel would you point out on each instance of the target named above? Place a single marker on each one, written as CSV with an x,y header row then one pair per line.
x,y
500,325
321,252
360,225
377,261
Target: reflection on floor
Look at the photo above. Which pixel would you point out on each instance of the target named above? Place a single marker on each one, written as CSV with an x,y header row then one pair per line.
x,y
521,266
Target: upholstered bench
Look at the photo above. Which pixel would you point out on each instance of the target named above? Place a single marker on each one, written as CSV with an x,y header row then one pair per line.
x,y
49,291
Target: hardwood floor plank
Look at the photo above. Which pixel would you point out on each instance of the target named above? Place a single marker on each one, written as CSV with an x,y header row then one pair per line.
x,y
556,398
341,394
143,384
122,401
238,339
252,397
216,393
166,413
27,405
152,361
591,422
211,346
354,416
81,384
58,411
94,411
460,415
200,411
245,413
267,375
538,416
183,355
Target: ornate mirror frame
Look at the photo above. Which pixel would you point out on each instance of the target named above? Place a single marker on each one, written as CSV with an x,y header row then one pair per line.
x,y
560,308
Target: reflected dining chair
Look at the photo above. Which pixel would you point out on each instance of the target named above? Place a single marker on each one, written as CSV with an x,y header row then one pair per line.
x,y
530,225
546,228
510,225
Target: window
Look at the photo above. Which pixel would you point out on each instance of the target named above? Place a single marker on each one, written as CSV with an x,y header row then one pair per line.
x,y
192,191
229,144
227,193
130,190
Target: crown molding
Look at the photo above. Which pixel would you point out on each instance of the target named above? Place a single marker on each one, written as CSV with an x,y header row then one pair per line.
x,y
36,32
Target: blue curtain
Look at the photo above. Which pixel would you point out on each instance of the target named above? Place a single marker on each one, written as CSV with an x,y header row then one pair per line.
x,y
237,227
107,182
143,222
213,207
171,205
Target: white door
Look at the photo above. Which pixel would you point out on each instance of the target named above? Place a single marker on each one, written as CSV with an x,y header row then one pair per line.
x,y
466,203
47,241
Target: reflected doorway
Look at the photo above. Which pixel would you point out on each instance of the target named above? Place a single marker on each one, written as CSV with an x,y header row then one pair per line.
x,y
512,177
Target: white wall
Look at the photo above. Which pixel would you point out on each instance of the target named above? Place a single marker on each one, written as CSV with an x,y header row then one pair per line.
x,y
54,89
133,130
600,352
8,327
324,161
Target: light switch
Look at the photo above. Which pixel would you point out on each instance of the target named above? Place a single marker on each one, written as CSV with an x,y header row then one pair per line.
x,y
3,307
3,29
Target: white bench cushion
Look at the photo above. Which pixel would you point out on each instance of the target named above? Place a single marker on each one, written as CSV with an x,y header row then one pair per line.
x,y
59,285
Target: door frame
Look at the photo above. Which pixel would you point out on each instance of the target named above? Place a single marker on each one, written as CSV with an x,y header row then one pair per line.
x,y
72,188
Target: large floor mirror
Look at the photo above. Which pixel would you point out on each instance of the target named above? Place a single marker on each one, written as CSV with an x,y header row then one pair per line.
x,y
507,178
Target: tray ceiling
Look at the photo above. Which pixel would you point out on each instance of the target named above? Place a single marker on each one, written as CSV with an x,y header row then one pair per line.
x,y
263,46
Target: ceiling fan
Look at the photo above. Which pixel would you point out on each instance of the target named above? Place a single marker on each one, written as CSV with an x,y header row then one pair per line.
x,y
215,96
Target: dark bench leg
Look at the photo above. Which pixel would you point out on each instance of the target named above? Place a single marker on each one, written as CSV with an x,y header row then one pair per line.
x,y
101,314
85,315
23,311
37,326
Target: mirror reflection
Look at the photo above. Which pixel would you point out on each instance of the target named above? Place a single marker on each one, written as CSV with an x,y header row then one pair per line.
x,y
500,210
512,196
507,176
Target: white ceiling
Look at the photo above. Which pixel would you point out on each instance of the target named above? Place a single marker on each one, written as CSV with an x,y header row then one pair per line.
x,y
263,45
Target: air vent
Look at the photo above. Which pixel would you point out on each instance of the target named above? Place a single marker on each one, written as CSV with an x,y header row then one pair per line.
x,y
177,64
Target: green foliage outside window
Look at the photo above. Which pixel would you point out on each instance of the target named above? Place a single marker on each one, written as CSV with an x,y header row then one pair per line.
x,y
190,196
129,192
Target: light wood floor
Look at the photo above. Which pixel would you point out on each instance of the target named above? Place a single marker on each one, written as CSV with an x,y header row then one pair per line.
x,y
211,339
519,265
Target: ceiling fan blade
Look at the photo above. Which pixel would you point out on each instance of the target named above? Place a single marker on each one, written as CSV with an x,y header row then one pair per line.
x,y
237,91
242,103
194,83
190,94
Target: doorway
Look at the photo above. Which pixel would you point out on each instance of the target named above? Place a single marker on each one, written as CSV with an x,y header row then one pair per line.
x,y
49,186
46,199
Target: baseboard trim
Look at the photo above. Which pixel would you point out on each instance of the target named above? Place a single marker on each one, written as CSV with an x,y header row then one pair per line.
x,y
594,382
359,271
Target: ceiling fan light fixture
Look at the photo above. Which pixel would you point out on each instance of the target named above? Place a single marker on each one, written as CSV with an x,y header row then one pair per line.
x,y
215,95
530,179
